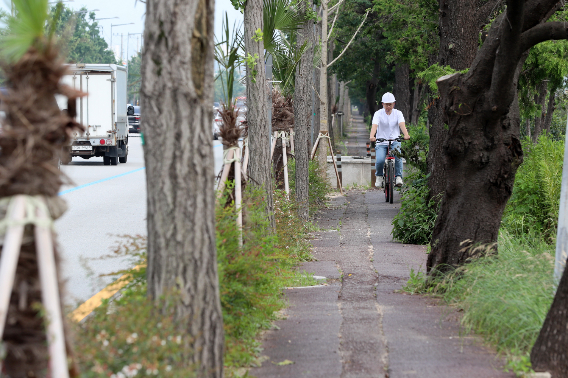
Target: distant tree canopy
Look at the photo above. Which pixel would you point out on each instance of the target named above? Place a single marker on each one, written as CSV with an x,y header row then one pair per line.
x,y
81,38
134,79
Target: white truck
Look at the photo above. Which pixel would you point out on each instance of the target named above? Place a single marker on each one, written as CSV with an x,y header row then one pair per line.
x,y
102,112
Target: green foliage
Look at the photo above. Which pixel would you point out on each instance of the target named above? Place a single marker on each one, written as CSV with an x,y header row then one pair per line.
x,y
434,72
27,29
134,78
228,54
533,206
505,297
415,220
415,150
318,187
131,331
411,30
258,35
220,83
80,36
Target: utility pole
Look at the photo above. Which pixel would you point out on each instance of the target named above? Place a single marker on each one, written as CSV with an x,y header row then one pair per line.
x,y
121,40
112,26
324,130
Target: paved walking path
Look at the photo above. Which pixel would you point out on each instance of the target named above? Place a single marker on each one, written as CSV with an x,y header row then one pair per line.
x,y
358,325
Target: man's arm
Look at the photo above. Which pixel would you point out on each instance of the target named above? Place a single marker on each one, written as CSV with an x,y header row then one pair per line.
x,y
373,134
403,129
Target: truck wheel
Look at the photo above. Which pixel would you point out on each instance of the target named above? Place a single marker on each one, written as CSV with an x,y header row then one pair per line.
x,y
123,159
106,160
113,160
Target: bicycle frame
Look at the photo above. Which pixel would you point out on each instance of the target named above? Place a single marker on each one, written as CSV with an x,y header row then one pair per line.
x,y
388,170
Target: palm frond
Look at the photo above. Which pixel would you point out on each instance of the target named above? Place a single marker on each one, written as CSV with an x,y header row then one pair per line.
x,y
26,29
279,15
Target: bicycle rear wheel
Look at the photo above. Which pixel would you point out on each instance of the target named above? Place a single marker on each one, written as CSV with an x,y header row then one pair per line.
x,y
391,181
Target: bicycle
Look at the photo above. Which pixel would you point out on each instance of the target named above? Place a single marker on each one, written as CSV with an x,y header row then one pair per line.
x,y
388,168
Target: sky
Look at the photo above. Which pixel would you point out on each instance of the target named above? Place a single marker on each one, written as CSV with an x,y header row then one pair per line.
x,y
132,11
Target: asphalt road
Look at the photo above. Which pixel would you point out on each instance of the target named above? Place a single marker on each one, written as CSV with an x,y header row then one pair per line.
x,y
105,204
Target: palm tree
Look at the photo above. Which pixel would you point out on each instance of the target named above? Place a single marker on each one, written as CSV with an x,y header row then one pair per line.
x,y
33,134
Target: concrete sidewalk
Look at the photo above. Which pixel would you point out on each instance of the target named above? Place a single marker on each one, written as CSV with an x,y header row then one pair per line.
x,y
359,325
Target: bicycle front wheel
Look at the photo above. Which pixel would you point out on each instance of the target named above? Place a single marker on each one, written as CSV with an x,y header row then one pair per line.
x,y
391,181
386,179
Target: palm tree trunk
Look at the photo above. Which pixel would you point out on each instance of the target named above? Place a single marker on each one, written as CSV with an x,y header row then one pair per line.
x,y
259,170
302,115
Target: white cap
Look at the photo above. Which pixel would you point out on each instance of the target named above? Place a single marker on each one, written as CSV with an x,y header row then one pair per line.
x,y
388,98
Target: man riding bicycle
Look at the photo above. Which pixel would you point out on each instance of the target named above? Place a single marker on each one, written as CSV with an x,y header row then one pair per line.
x,y
388,122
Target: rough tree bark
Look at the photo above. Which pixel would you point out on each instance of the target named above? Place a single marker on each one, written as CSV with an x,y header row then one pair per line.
x,y
459,25
372,87
177,92
259,169
302,113
417,99
550,110
540,99
549,352
482,148
401,89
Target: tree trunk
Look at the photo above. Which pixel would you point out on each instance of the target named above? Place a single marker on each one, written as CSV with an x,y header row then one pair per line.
x,y
459,26
372,87
401,89
302,114
323,149
331,92
176,93
482,148
550,351
259,169
415,114
540,99
550,110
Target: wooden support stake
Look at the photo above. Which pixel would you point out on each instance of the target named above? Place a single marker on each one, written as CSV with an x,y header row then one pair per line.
x,y
238,198
246,158
334,165
285,162
315,147
50,297
224,175
273,144
10,254
292,141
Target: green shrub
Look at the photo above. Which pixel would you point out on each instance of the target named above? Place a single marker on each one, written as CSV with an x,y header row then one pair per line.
x,y
415,150
534,204
318,186
415,220
250,282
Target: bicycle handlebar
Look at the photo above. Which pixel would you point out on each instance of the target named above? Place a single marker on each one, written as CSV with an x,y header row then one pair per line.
x,y
380,140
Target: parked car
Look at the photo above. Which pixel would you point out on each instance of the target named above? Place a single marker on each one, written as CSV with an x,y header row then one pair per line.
x,y
133,118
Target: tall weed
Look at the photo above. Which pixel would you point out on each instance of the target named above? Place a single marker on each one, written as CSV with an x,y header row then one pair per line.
x,y
414,222
505,297
533,206
318,186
